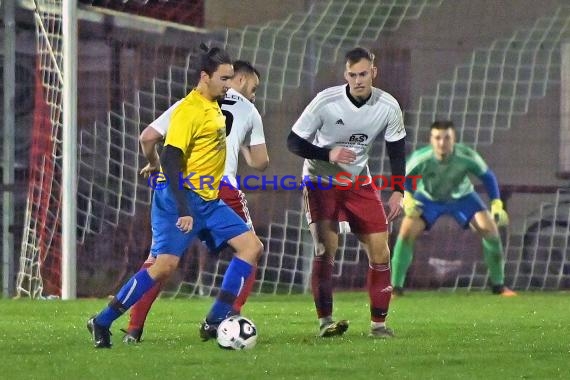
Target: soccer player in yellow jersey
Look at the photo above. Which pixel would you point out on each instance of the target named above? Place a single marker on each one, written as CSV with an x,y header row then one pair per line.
x,y
244,132
193,161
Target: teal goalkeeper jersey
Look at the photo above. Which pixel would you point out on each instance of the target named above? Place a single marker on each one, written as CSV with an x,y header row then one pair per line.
x,y
447,179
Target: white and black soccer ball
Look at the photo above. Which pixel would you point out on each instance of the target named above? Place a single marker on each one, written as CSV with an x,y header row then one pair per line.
x,y
237,333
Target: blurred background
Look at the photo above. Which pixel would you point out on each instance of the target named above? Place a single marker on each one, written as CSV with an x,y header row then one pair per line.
x,y
500,69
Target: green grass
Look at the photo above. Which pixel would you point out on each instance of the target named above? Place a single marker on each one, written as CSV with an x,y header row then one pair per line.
x,y
439,336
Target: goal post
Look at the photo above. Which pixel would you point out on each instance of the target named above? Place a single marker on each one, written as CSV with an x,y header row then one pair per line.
x,y
69,151
9,75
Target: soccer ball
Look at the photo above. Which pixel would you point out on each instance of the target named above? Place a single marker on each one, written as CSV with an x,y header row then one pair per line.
x,y
237,333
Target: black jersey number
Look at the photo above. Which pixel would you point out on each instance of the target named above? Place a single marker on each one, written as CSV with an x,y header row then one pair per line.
x,y
228,115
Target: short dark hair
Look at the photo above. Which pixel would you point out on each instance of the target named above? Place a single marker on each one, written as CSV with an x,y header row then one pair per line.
x,y
245,67
212,58
355,55
442,125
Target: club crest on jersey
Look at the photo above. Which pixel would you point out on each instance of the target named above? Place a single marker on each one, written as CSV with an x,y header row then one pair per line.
x,y
358,138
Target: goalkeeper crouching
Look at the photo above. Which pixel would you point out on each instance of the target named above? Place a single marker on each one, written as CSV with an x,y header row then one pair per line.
x,y
445,188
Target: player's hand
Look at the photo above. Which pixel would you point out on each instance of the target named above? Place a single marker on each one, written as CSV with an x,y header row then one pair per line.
x,y
340,155
185,223
499,214
412,207
149,169
395,206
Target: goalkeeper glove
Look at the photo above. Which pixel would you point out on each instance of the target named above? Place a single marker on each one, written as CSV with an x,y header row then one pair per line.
x,y
412,207
499,214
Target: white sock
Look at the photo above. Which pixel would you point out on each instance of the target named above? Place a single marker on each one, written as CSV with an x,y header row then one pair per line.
x,y
376,325
325,320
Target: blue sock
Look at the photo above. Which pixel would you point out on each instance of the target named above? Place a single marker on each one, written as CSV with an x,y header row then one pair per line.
x,y
130,293
234,279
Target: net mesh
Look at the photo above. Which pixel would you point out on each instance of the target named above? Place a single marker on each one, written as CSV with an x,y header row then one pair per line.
x,y
40,257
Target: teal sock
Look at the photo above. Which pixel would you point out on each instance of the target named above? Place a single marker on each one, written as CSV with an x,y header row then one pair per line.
x,y
401,261
493,254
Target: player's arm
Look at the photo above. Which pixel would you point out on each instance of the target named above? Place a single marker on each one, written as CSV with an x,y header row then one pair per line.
x,y
489,180
149,139
303,132
178,142
256,156
412,207
254,149
171,159
305,149
397,155
395,137
492,186
151,136
301,147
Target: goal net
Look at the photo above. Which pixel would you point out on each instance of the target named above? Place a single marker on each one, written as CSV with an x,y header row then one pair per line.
x,y
112,220
135,60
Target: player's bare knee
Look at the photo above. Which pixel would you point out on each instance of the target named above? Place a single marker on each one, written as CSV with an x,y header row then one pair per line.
x,y
411,231
258,249
163,267
379,254
404,234
408,239
250,251
320,249
488,233
380,258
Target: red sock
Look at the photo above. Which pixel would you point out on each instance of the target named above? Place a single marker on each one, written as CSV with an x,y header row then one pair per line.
x,y
140,309
246,290
322,285
379,291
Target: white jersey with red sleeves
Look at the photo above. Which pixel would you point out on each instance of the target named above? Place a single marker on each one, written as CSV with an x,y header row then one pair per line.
x,y
243,128
332,119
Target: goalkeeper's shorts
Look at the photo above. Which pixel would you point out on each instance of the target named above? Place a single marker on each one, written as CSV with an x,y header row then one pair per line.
x,y
462,209
214,223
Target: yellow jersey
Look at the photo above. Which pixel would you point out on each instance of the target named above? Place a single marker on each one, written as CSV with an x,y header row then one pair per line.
x,y
198,128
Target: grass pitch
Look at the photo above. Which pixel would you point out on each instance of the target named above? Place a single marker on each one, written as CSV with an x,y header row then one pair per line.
x,y
439,336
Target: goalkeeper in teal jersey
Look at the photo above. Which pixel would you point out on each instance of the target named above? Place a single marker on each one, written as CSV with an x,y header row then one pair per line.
x,y
445,188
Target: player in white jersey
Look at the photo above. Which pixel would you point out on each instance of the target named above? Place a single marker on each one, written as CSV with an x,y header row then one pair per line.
x,y
244,132
335,134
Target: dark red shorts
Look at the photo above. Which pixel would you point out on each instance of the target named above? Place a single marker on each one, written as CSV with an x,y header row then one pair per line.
x,y
362,208
236,200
